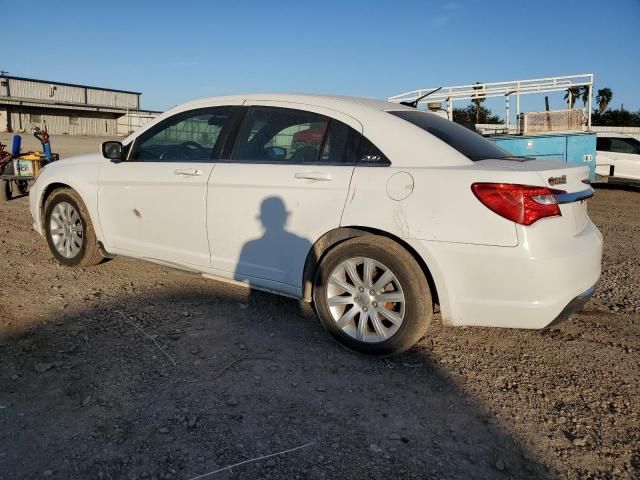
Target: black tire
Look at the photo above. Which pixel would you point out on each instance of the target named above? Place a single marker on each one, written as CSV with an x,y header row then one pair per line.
x,y
89,253
418,305
7,191
23,186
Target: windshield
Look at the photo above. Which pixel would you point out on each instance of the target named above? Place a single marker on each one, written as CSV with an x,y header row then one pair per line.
x,y
470,144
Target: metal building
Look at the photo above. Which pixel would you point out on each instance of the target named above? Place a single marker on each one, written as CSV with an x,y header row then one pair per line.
x,y
26,103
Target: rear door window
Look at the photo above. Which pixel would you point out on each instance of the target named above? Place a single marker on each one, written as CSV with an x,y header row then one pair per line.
x,y
470,144
290,136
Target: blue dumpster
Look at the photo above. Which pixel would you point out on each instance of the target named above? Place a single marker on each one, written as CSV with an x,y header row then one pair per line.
x,y
573,148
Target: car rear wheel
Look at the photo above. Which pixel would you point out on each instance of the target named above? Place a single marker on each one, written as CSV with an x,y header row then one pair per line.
x,y
69,231
23,186
372,296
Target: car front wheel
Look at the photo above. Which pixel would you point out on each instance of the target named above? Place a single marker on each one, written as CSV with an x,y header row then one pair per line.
x,y
372,296
69,230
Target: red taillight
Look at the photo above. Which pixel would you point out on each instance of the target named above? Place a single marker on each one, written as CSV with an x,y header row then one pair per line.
x,y
523,204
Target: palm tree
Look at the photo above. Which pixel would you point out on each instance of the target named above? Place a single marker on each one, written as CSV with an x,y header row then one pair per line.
x,y
584,95
603,98
477,99
571,95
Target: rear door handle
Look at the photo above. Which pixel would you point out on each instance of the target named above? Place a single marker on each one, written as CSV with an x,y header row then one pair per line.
x,y
317,176
188,172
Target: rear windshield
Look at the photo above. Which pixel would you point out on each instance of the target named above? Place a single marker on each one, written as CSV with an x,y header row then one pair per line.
x,y
468,143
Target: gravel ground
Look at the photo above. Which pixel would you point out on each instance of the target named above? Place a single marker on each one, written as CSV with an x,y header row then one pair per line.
x,y
222,375
65,145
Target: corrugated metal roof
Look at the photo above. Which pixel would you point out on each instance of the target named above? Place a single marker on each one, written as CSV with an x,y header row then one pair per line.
x,y
50,82
29,102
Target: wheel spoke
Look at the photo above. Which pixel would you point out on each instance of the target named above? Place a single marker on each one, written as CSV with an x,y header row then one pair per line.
x,y
55,221
341,283
74,217
59,214
60,244
393,317
377,324
344,321
392,297
368,272
384,280
57,231
75,246
340,300
362,326
350,268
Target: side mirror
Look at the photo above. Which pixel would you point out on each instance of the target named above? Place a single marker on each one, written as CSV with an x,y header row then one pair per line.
x,y
276,153
113,150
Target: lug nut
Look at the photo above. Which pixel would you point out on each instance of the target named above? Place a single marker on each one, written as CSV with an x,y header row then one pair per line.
x,y
371,292
365,309
374,304
361,289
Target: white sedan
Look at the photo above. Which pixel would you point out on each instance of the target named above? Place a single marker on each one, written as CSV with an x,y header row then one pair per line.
x,y
375,212
618,157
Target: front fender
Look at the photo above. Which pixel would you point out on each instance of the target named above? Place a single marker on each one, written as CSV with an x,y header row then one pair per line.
x,y
80,176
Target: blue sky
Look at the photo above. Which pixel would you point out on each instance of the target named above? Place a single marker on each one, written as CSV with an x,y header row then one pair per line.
x,y
176,51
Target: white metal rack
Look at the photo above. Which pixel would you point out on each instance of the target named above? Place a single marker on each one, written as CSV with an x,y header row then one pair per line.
x,y
449,94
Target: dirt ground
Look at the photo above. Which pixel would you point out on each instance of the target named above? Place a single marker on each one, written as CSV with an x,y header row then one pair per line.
x,y
222,376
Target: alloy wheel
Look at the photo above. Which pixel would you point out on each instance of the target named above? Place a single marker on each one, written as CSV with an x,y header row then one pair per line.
x,y
66,230
365,299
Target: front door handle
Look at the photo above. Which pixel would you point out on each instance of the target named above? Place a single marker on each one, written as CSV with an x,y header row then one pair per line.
x,y
188,172
317,176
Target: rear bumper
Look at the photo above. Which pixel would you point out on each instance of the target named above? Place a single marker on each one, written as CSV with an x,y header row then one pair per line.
x,y
573,306
527,286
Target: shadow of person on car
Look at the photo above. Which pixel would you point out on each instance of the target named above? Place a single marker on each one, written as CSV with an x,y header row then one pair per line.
x,y
279,255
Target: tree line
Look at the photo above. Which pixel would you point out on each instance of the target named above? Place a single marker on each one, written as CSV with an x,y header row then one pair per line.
x,y
602,115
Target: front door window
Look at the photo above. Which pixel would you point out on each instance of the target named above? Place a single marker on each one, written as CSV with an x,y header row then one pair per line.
x,y
185,137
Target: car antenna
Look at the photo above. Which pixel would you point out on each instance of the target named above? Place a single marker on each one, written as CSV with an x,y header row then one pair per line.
x,y
414,103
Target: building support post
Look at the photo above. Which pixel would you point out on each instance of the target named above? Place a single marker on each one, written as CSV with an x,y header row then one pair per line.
x,y
590,107
506,118
518,107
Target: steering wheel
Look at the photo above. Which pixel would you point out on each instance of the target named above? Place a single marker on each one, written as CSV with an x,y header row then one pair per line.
x,y
183,151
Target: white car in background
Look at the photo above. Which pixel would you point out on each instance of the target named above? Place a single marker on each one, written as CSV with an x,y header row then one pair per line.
x,y
618,157
375,212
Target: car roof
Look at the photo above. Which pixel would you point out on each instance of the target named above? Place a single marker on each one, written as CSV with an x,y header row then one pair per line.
x,y
346,104
367,116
